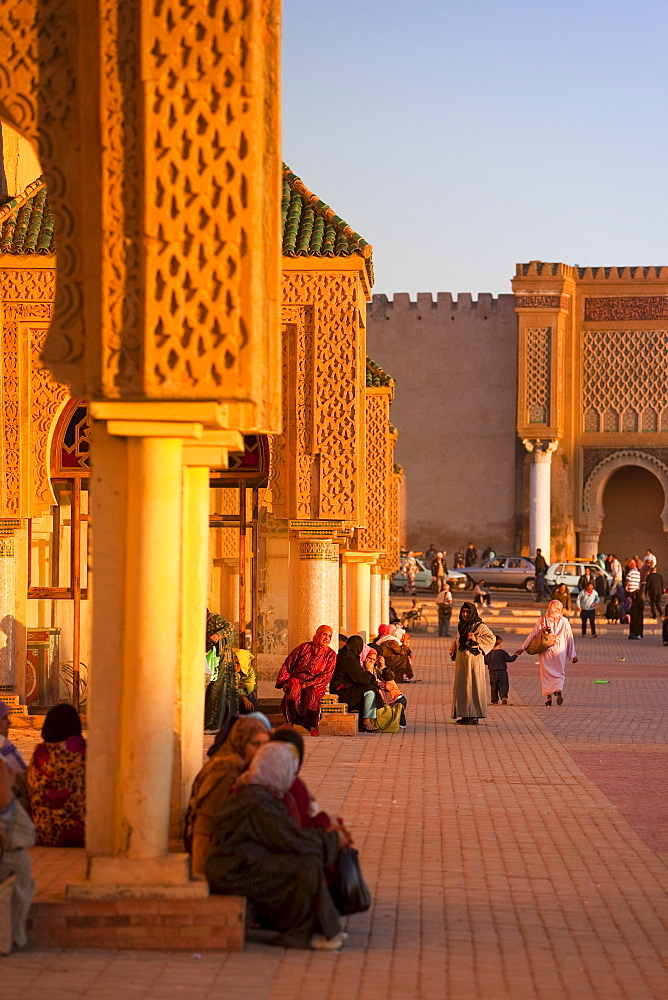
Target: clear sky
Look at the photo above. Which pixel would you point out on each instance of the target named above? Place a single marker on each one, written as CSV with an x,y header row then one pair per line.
x,y
460,137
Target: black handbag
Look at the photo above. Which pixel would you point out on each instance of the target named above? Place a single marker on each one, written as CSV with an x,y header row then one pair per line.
x,y
348,888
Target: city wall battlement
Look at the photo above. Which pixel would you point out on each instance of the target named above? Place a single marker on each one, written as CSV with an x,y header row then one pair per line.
x,y
443,303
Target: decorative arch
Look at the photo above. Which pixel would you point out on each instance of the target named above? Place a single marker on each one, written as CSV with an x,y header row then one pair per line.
x,y
594,488
70,441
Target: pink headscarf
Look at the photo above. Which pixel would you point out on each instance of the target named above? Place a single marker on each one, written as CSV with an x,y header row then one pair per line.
x,y
554,609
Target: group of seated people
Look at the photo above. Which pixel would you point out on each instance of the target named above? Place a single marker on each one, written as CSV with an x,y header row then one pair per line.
x,y
41,803
365,676
253,829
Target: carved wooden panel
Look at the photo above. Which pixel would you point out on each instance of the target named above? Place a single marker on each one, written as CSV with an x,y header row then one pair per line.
x,y
623,380
538,341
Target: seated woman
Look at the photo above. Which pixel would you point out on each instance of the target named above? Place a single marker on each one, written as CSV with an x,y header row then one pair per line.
x,y
57,780
246,680
298,801
612,609
396,655
354,685
233,750
16,834
258,851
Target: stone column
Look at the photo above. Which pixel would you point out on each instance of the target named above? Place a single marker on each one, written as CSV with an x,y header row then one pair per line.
x,y
375,599
7,613
384,601
189,703
539,495
358,591
311,581
588,543
136,491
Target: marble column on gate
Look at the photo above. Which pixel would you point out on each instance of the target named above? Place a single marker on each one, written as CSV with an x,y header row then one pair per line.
x,y
7,613
540,457
375,599
310,595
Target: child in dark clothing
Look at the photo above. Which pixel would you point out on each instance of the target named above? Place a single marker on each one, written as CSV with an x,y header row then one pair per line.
x,y
496,662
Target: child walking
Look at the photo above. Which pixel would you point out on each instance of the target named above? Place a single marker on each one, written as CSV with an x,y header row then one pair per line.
x,y
389,689
497,660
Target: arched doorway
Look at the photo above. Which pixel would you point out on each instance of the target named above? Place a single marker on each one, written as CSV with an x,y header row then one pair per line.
x,y
633,500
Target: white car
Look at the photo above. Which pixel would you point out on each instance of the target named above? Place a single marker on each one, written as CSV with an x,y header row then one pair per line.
x,y
569,572
424,580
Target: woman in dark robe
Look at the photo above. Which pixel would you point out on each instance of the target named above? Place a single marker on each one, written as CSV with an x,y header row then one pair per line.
x,y
354,685
259,852
304,678
469,689
636,614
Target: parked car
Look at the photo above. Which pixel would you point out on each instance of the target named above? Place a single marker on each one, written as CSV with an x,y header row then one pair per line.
x,y
504,571
424,580
570,572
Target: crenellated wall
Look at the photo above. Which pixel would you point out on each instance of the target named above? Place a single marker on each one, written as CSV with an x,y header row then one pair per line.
x,y
456,361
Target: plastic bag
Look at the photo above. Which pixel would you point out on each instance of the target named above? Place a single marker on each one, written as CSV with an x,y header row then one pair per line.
x,y
348,889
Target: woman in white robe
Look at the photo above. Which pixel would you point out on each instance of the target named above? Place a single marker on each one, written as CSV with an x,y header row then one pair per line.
x,y
552,663
469,689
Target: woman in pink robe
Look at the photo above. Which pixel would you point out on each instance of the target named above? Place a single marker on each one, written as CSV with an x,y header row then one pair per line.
x,y
552,663
304,678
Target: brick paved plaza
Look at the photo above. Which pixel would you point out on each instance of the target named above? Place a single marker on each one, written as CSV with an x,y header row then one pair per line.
x,y
522,858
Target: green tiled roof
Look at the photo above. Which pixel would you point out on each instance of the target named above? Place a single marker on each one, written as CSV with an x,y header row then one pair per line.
x,y
26,223
375,376
312,229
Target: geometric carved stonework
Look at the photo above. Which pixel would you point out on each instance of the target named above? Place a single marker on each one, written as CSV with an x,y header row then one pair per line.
x,y
320,454
538,301
30,396
538,375
612,308
592,458
624,385
379,463
170,206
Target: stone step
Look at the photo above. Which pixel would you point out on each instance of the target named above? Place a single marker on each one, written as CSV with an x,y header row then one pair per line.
x,y
211,923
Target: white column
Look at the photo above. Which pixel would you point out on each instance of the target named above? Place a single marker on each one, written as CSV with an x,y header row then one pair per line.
x,y
539,495
375,600
335,616
7,614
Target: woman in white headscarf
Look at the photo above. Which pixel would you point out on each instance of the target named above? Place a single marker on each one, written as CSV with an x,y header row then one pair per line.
x,y
552,662
395,654
258,851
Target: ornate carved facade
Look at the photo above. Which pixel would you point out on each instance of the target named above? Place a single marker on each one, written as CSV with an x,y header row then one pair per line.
x,y
593,351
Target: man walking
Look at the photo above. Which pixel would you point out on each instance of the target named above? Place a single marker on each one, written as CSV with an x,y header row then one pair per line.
x,y
587,601
654,591
444,610
542,593
471,558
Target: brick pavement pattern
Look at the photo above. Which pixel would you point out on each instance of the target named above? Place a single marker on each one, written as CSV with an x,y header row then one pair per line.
x,y
500,864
